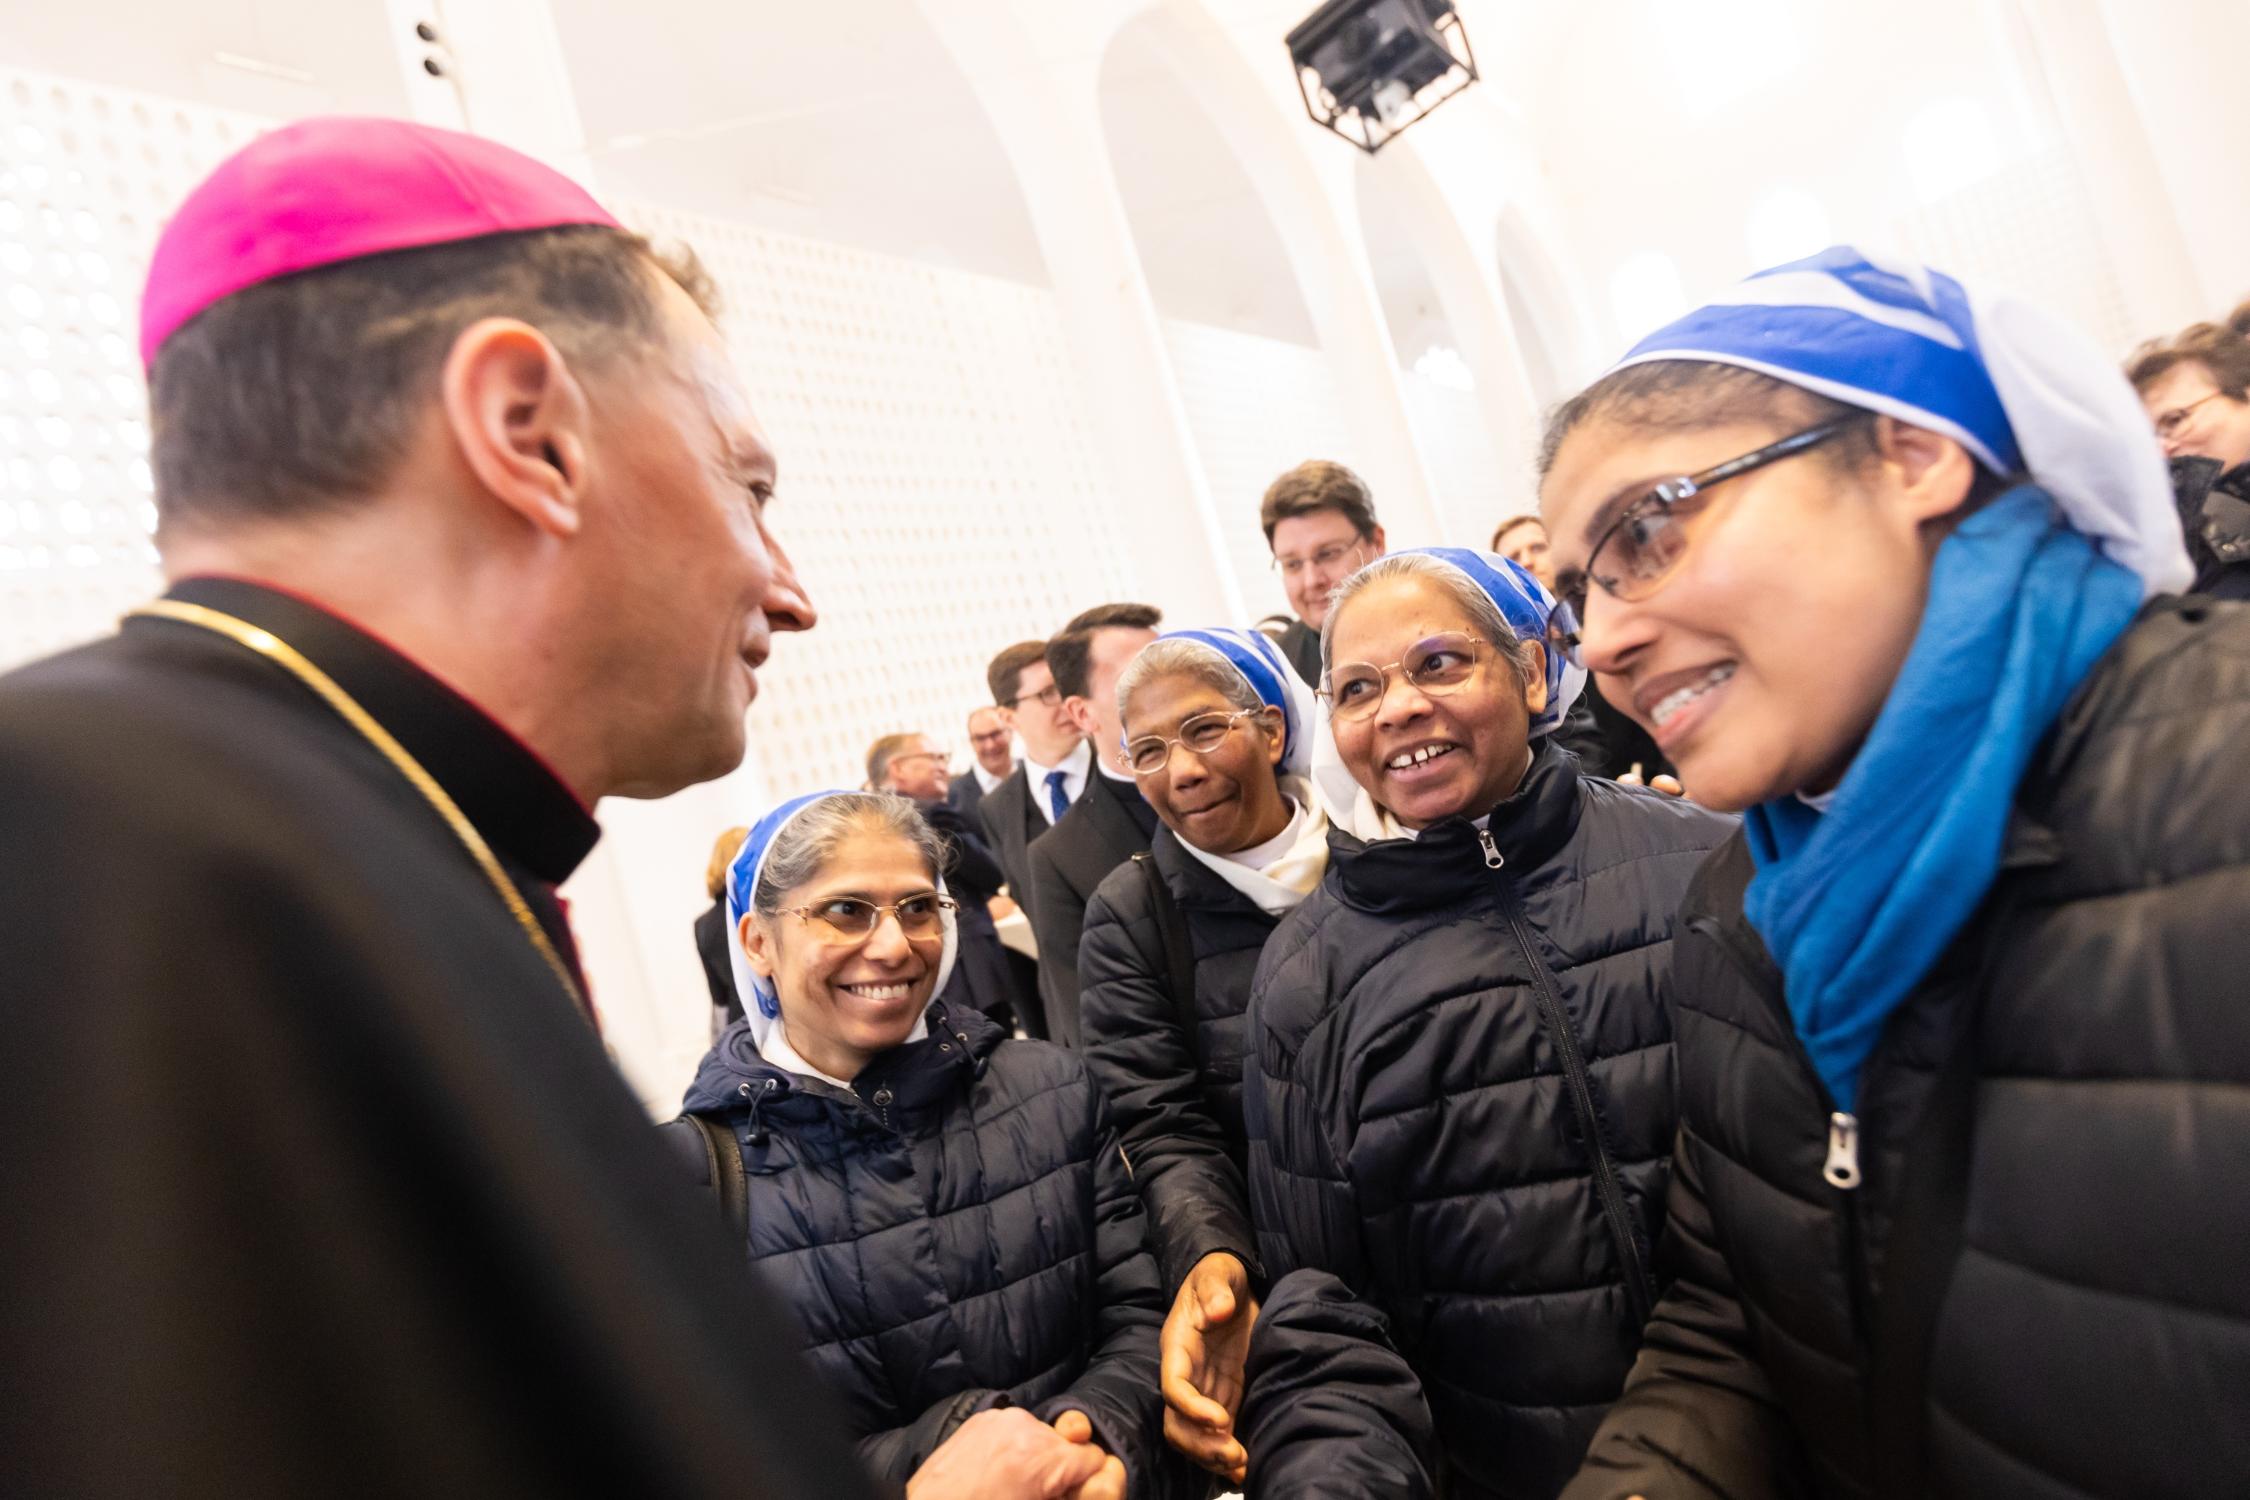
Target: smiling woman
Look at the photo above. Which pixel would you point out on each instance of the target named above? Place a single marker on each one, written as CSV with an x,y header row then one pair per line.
x,y
946,1209
1458,1090
1886,562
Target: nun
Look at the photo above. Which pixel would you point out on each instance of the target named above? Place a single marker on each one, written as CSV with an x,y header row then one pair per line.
x,y
1218,734
1458,1090
945,1208
1963,1185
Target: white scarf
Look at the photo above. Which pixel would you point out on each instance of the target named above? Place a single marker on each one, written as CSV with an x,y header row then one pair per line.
x,y
1278,885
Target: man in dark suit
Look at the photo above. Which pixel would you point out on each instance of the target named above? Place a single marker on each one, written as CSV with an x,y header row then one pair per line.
x,y
1106,826
992,740
1320,524
1052,774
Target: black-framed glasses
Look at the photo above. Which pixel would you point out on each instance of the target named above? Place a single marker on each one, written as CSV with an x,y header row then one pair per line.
x,y
1435,667
1046,697
848,919
1202,734
1640,549
2168,424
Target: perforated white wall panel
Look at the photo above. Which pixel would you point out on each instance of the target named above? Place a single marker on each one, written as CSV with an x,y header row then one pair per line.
x,y
2030,228
939,491
1475,486
1256,406
86,177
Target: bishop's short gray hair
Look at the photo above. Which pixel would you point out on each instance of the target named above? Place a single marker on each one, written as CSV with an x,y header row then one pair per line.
x,y
1483,614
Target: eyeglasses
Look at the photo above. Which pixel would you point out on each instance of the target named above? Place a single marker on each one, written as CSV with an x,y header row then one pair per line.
x,y
1046,697
2168,425
1650,536
936,755
847,919
1202,734
1436,668
1326,559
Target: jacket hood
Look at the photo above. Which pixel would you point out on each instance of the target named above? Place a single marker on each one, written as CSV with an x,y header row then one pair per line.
x,y
1400,875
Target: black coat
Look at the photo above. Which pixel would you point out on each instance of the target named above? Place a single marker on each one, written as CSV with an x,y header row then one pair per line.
x,y
714,945
2215,516
965,792
2094,1338
981,978
1460,1102
1176,1096
1102,830
1301,644
956,1230
315,1180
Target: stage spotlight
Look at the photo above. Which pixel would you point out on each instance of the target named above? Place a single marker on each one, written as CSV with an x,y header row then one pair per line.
x,y
1370,68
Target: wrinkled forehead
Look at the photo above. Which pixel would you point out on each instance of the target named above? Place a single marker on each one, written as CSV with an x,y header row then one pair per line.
x,y
1382,621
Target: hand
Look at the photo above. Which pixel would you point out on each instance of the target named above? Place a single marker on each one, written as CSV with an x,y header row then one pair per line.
x,y
1000,908
1204,1346
1108,1482
1007,1454
1669,785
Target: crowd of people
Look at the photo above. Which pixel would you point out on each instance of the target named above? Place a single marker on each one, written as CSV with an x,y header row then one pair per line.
x,y
1727,991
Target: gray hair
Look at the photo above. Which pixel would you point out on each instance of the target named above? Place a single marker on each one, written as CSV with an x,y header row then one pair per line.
x,y
802,850
1483,614
1185,658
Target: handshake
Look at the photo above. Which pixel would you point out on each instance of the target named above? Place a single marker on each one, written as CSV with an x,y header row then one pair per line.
x,y
1009,1454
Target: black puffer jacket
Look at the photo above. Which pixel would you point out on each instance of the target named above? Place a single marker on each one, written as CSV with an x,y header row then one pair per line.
x,y
1176,1098
1460,1102
955,1232
2094,1333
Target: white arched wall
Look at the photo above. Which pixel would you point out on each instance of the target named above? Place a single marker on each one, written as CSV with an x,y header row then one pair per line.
x,y
1303,179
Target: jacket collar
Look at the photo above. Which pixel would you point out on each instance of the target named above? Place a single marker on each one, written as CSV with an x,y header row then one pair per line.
x,y
921,1076
1529,829
521,807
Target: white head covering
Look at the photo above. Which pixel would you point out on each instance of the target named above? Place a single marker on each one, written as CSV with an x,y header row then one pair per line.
x,y
1524,604
761,1005
2023,392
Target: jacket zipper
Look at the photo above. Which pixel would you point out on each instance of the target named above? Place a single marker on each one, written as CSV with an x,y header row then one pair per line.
x,y
1841,1170
1638,1286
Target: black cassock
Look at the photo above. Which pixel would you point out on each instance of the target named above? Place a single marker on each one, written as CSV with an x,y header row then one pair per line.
x,y
314,1178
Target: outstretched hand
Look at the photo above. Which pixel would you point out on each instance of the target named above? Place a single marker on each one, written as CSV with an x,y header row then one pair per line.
x,y
1205,1345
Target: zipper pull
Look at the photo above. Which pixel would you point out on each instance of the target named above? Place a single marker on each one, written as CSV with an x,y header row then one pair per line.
x,y
1493,859
1842,1170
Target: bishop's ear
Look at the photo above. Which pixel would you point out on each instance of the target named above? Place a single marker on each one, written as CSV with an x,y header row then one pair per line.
x,y
519,419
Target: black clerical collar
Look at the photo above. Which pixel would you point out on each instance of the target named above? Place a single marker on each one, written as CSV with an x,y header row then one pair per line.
x,y
523,809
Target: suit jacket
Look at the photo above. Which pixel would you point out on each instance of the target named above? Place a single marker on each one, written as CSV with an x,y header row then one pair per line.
x,y
713,943
1301,644
1068,862
1012,820
964,792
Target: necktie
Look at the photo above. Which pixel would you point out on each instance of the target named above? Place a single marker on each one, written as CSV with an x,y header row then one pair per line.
x,y
1057,798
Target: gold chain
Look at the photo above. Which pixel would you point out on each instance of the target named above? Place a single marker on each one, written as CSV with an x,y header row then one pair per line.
x,y
280,652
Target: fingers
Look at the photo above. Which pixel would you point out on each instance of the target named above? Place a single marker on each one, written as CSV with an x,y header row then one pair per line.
x,y
1213,1450
1669,784
1107,1484
1075,1427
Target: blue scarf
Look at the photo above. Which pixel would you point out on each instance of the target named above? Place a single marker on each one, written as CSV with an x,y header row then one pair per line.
x,y
1857,904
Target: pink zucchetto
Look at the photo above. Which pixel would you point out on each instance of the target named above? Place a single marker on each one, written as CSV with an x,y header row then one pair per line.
x,y
335,189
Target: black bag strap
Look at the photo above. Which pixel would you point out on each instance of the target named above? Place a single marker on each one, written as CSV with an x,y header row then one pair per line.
x,y
722,1153
1179,955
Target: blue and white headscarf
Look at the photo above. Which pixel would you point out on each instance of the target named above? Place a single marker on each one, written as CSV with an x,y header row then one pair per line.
x,y
761,1005
2023,392
1858,896
1270,676
1525,606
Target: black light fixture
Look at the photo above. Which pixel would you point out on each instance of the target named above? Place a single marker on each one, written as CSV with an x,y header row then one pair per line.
x,y
1370,68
